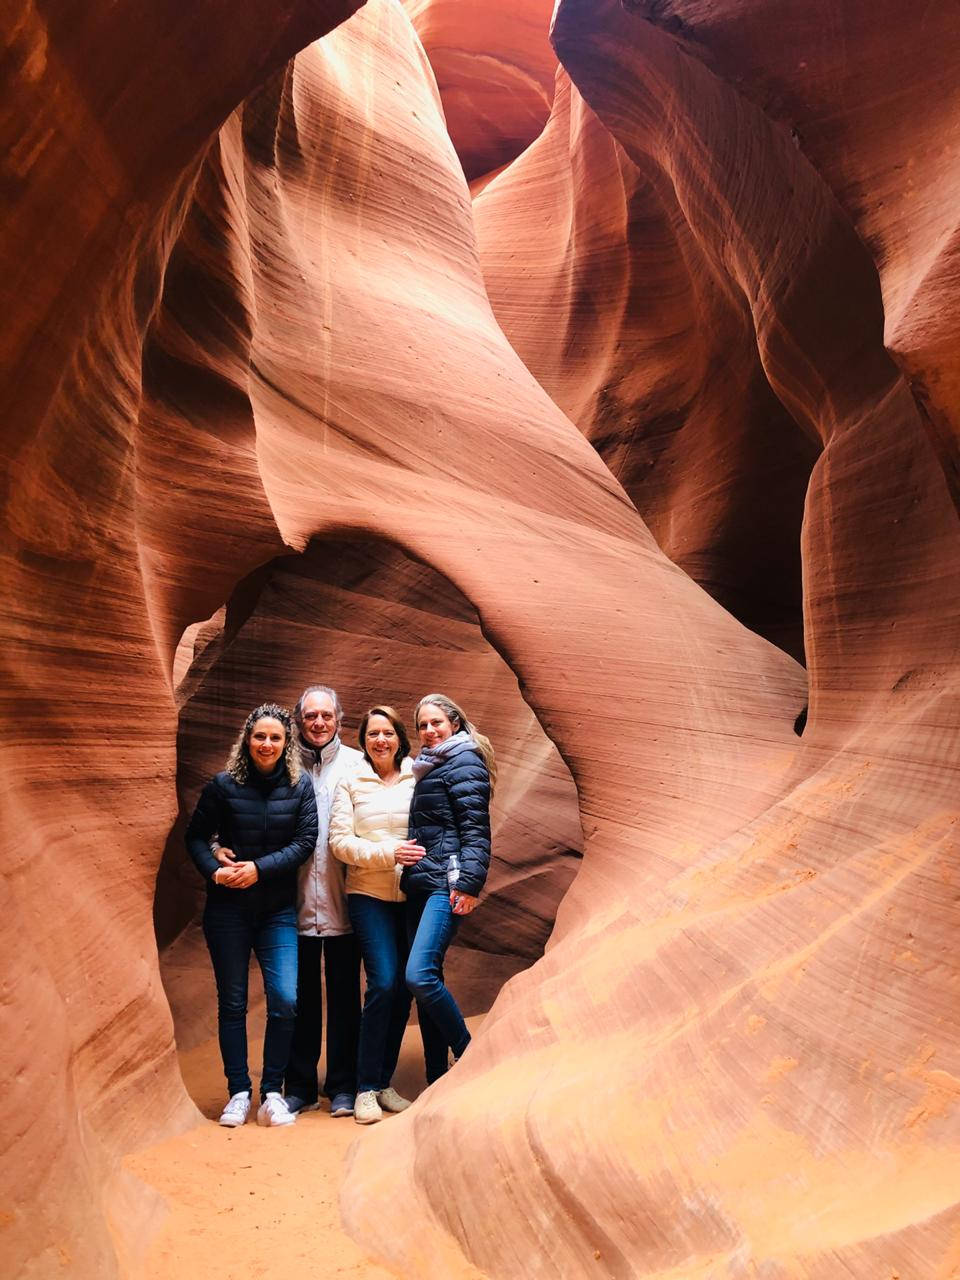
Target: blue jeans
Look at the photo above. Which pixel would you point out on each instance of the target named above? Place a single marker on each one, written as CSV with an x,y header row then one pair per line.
x,y
381,931
231,935
340,968
431,927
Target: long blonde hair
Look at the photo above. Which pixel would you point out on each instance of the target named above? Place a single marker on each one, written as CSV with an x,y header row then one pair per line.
x,y
457,717
239,764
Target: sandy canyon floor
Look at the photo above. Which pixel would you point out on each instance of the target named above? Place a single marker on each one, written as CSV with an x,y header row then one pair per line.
x,y
255,1203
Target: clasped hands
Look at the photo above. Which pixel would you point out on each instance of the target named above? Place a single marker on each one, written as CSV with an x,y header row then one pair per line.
x,y
232,874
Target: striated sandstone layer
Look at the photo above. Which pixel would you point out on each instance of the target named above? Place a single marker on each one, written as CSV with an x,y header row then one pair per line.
x,y
377,626
495,71
105,116
776,1002
605,290
871,94
752,977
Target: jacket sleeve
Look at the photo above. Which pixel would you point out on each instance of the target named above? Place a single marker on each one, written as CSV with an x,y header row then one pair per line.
x,y
304,840
201,828
347,846
468,787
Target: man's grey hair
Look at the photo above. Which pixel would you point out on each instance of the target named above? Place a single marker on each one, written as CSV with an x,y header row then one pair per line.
x,y
318,688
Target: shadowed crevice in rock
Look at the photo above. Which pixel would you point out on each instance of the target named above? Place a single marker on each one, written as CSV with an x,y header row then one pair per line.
x,y
495,75
617,307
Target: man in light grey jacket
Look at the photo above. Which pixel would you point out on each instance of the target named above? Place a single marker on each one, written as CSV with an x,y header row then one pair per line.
x,y
324,927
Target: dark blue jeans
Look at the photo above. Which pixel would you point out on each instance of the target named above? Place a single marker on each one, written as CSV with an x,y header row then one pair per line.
x,y
431,927
231,935
335,962
381,931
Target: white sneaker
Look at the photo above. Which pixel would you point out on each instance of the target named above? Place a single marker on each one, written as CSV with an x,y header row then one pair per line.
x,y
236,1111
391,1101
273,1110
366,1109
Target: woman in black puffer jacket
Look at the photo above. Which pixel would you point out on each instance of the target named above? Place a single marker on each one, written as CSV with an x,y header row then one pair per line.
x,y
450,818
263,812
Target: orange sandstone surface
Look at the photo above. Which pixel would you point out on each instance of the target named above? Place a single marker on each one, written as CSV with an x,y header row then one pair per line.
x,y
494,68
669,405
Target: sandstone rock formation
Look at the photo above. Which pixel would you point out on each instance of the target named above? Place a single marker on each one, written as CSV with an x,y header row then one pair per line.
x,y
495,71
605,291
739,1054
375,624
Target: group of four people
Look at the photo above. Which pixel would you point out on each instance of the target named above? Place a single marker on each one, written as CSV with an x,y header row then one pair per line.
x,y
316,856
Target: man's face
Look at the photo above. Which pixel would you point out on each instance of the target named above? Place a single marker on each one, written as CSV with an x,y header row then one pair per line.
x,y
319,719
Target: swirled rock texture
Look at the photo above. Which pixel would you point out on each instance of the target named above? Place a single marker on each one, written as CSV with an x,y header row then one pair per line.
x,y
739,1054
780,1078
495,71
379,626
605,291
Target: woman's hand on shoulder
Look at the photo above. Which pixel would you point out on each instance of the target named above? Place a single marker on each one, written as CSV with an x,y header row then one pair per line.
x,y
408,853
462,903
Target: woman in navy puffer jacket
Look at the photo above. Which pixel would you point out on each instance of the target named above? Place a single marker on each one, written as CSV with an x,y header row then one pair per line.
x,y
263,812
450,818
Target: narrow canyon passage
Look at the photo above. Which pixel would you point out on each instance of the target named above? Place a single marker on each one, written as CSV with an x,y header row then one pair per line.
x,y
379,627
661,401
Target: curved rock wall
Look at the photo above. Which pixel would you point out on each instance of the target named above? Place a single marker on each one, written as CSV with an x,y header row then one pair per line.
x,y
739,1052
604,289
377,626
105,116
495,71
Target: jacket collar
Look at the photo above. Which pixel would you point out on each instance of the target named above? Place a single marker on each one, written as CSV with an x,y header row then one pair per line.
x,y
366,770
317,757
430,757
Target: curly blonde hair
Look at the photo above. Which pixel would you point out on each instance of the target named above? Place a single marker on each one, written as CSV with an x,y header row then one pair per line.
x,y
239,763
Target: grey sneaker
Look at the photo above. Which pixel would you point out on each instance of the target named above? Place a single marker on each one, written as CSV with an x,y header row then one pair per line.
x,y
236,1111
296,1105
390,1100
273,1110
366,1109
341,1104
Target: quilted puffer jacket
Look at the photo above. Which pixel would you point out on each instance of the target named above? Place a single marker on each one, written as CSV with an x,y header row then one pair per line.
x,y
367,822
450,813
265,820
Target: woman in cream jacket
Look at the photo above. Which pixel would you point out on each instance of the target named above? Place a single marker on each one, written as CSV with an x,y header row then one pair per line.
x,y
368,831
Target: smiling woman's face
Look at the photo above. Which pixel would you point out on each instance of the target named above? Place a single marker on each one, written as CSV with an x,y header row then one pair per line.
x,y
381,742
433,724
266,741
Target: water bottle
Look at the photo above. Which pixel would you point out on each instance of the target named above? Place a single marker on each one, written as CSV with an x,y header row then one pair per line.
x,y
453,872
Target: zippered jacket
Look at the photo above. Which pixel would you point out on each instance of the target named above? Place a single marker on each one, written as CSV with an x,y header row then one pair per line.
x,y
322,900
265,820
450,813
368,821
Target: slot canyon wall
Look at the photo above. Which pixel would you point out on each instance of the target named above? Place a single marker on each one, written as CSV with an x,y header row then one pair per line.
x,y
669,404
369,619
